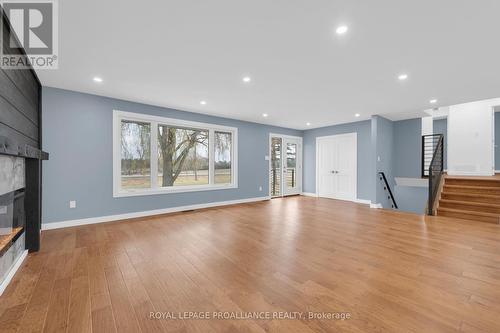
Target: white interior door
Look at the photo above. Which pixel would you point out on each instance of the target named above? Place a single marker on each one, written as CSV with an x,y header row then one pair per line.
x,y
292,166
337,166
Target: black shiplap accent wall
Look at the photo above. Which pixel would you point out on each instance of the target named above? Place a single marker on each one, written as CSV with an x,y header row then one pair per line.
x,y
19,106
20,121
20,92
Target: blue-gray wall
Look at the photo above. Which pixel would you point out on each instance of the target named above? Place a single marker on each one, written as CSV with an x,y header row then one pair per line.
x,y
365,180
408,148
77,132
383,140
408,164
411,199
398,144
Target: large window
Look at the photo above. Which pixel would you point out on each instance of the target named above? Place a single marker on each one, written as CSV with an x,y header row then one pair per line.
x,y
160,155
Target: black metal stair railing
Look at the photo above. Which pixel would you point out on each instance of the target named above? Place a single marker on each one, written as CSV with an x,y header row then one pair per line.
x,y
429,144
387,188
436,170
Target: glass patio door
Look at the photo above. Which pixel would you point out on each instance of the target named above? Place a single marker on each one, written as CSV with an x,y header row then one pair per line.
x,y
292,166
275,167
285,176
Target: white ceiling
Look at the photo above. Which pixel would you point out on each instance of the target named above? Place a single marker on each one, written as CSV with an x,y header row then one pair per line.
x,y
177,53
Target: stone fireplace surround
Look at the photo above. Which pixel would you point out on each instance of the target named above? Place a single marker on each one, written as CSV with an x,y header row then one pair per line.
x,y
12,184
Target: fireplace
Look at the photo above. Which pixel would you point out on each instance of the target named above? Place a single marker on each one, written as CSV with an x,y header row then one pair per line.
x,y
12,215
12,212
12,185
21,159
20,198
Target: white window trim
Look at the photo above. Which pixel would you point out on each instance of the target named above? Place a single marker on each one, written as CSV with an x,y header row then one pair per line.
x,y
118,192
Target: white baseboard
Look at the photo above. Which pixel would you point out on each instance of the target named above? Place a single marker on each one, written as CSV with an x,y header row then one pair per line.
x,y
376,205
363,201
110,218
12,272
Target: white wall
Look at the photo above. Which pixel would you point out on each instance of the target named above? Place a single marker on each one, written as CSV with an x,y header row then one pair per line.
x,y
427,125
471,138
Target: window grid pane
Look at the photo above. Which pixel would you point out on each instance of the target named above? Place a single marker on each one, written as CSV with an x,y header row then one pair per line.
x,y
182,156
135,155
223,157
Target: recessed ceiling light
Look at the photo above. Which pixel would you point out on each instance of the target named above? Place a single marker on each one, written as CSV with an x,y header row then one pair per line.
x,y
341,30
433,101
402,77
357,115
265,115
97,79
203,102
308,124
247,79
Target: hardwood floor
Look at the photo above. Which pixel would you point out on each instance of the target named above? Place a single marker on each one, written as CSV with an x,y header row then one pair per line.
x,y
391,271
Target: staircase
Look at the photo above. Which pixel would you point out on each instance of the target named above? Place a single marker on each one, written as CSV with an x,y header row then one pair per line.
x,y
471,198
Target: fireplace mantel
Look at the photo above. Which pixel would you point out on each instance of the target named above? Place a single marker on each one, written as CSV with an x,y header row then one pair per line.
x,y
12,148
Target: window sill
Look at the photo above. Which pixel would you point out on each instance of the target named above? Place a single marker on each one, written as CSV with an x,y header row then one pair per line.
x,y
160,191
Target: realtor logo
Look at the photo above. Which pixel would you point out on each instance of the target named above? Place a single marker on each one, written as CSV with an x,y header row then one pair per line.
x,y
33,27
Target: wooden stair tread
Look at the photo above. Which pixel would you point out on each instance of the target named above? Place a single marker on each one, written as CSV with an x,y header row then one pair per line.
x,y
469,212
468,215
493,178
470,187
479,204
475,195
494,183
487,197
473,186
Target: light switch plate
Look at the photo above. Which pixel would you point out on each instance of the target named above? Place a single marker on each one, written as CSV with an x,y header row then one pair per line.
x,y
72,204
